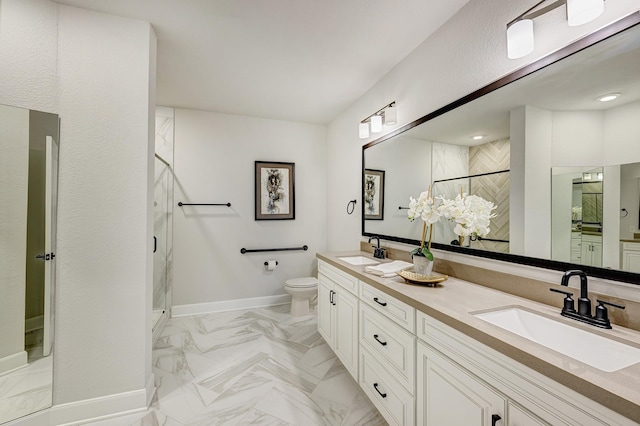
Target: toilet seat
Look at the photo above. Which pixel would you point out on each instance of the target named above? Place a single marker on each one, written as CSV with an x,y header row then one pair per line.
x,y
306,282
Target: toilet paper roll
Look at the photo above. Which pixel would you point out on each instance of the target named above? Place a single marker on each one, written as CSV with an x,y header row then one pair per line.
x,y
271,265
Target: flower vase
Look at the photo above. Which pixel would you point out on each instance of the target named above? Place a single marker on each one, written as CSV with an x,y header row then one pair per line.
x,y
461,240
422,265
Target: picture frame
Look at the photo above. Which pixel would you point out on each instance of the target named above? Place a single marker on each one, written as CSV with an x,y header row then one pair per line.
x,y
274,190
373,194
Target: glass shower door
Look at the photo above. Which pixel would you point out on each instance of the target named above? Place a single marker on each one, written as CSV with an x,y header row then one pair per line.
x,y
160,231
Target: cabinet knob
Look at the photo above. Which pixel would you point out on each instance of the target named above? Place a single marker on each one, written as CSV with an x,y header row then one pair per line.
x,y
494,419
384,395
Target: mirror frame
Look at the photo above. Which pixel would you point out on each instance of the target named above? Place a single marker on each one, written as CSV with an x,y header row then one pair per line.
x,y
617,27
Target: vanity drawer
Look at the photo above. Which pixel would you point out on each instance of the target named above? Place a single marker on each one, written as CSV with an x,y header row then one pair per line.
x,y
631,246
393,401
391,307
350,283
392,345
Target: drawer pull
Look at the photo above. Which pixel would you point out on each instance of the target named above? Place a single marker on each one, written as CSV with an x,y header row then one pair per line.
x,y
375,336
384,395
494,419
375,299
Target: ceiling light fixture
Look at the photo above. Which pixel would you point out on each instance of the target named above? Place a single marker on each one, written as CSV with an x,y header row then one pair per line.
x,y
608,97
373,123
520,30
477,137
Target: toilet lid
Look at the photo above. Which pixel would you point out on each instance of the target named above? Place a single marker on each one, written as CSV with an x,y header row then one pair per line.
x,y
302,282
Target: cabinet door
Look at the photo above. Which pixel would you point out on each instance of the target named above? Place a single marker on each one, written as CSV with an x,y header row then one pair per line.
x,y
346,329
596,253
325,311
448,394
631,261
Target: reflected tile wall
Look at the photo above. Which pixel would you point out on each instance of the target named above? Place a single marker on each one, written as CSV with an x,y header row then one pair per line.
x,y
448,161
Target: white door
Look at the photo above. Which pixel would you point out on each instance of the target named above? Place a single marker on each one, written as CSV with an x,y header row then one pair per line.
x,y
51,206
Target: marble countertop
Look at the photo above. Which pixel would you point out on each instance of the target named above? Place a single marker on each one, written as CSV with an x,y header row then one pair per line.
x,y
454,302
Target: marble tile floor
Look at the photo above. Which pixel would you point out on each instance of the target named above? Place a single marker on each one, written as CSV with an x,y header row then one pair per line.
x,y
27,389
250,367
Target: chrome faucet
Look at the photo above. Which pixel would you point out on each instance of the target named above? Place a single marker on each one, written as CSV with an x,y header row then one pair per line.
x,y
583,314
378,252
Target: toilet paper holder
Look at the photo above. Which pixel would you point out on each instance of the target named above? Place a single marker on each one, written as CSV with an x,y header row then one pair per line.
x,y
267,263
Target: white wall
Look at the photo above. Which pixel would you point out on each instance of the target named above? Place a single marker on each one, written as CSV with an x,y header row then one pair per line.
x,y
214,163
630,193
28,53
96,72
104,240
14,165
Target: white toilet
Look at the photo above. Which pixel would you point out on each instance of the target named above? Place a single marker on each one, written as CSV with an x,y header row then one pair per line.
x,y
302,290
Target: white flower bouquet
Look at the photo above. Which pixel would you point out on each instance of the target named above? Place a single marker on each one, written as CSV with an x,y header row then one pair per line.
x,y
424,207
471,214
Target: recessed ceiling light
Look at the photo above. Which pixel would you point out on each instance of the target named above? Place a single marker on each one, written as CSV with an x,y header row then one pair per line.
x,y
477,137
608,97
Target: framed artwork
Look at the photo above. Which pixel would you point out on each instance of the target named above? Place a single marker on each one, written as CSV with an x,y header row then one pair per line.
x,y
275,196
373,194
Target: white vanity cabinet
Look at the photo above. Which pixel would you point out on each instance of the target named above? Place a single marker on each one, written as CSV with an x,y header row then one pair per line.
x,y
468,383
591,254
338,314
419,371
631,257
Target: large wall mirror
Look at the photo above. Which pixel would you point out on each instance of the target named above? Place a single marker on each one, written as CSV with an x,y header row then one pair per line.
x,y
560,164
28,194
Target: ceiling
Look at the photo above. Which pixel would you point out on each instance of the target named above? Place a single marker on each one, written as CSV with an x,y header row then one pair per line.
x,y
296,60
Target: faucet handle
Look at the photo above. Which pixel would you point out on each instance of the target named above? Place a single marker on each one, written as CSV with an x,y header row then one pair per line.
x,y
568,300
602,314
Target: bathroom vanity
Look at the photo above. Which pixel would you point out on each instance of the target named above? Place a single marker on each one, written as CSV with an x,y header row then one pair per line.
x,y
425,356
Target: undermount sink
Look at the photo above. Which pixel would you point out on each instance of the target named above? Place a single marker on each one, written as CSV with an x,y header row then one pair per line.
x,y
597,351
359,260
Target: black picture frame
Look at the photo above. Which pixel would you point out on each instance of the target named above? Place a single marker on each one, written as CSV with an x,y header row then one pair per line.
x,y
275,190
373,194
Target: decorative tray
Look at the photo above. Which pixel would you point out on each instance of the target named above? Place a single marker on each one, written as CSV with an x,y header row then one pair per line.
x,y
430,280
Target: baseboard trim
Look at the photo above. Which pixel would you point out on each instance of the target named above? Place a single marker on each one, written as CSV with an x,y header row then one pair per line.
x,y
95,409
229,305
13,362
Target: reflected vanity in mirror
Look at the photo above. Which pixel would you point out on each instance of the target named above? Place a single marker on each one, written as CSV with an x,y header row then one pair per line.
x,y
504,143
28,194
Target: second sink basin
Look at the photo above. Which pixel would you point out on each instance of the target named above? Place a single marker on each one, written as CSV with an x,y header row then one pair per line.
x,y
359,260
593,349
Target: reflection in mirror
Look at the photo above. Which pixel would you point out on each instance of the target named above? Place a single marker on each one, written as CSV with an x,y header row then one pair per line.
x,y
530,123
577,216
28,193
